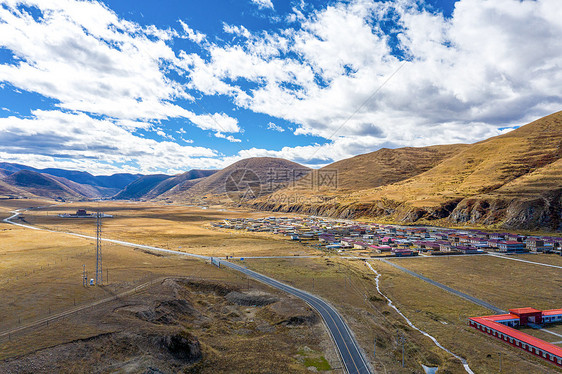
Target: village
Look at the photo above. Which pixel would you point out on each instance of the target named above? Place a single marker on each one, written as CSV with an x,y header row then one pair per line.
x,y
370,239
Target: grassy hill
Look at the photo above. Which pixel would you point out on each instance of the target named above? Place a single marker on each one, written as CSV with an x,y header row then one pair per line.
x,y
140,187
41,185
184,178
6,190
108,185
253,176
511,180
387,166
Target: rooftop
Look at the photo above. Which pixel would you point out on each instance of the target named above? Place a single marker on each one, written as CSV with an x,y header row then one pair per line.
x,y
526,310
521,336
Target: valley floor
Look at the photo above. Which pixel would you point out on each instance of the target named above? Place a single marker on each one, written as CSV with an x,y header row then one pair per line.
x,y
195,304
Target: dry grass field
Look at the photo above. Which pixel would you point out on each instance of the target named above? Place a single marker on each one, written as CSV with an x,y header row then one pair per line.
x,y
504,283
352,291
543,258
174,227
41,275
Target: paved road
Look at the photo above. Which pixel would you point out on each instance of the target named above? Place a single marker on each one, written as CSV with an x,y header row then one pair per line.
x,y
350,353
505,257
448,289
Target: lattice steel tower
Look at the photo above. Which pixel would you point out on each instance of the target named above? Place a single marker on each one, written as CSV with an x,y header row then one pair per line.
x,y
99,273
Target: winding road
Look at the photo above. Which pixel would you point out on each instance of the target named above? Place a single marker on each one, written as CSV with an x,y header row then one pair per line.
x,y
349,350
350,353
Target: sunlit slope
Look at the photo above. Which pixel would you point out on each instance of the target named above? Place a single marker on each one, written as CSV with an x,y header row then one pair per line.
x,y
387,166
511,180
483,167
264,174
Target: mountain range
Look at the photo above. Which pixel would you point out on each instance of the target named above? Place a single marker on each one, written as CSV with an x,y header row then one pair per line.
x,y
513,180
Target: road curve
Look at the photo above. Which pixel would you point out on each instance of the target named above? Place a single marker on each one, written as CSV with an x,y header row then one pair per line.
x,y
353,359
350,353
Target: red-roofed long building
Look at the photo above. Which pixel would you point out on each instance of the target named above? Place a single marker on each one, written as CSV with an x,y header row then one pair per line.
x,y
500,327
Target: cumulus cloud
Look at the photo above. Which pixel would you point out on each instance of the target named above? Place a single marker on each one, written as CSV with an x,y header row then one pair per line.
x,y
458,79
88,59
230,138
50,136
194,36
339,74
274,127
263,3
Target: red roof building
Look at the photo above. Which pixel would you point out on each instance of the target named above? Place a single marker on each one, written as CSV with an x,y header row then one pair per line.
x,y
500,327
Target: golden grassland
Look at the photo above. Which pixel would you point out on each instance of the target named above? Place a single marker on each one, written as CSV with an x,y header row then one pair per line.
x,y
501,282
353,293
174,227
34,283
549,259
41,274
237,339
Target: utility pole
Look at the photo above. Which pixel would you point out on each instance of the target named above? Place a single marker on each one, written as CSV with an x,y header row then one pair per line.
x,y
99,269
375,349
84,279
500,361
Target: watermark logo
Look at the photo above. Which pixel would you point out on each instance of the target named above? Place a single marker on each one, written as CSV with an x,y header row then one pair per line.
x,y
243,185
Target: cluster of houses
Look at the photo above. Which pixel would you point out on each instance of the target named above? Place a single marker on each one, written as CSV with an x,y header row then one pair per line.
x,y
370,238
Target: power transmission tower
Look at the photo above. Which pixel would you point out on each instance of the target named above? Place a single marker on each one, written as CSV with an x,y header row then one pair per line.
x,y
99,273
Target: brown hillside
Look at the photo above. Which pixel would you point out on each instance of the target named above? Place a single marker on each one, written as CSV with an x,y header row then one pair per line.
x,y
387,166
8,190
184,178
483,167
42,185
513,180
85,190
267,174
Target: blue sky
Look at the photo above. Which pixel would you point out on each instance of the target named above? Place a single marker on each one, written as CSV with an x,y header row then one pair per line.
x,y
168,86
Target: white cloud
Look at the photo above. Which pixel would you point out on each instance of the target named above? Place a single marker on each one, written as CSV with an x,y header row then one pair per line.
x,y
263,4
274,127
52,135
230,138
88,59
236,30
191,34
493,64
